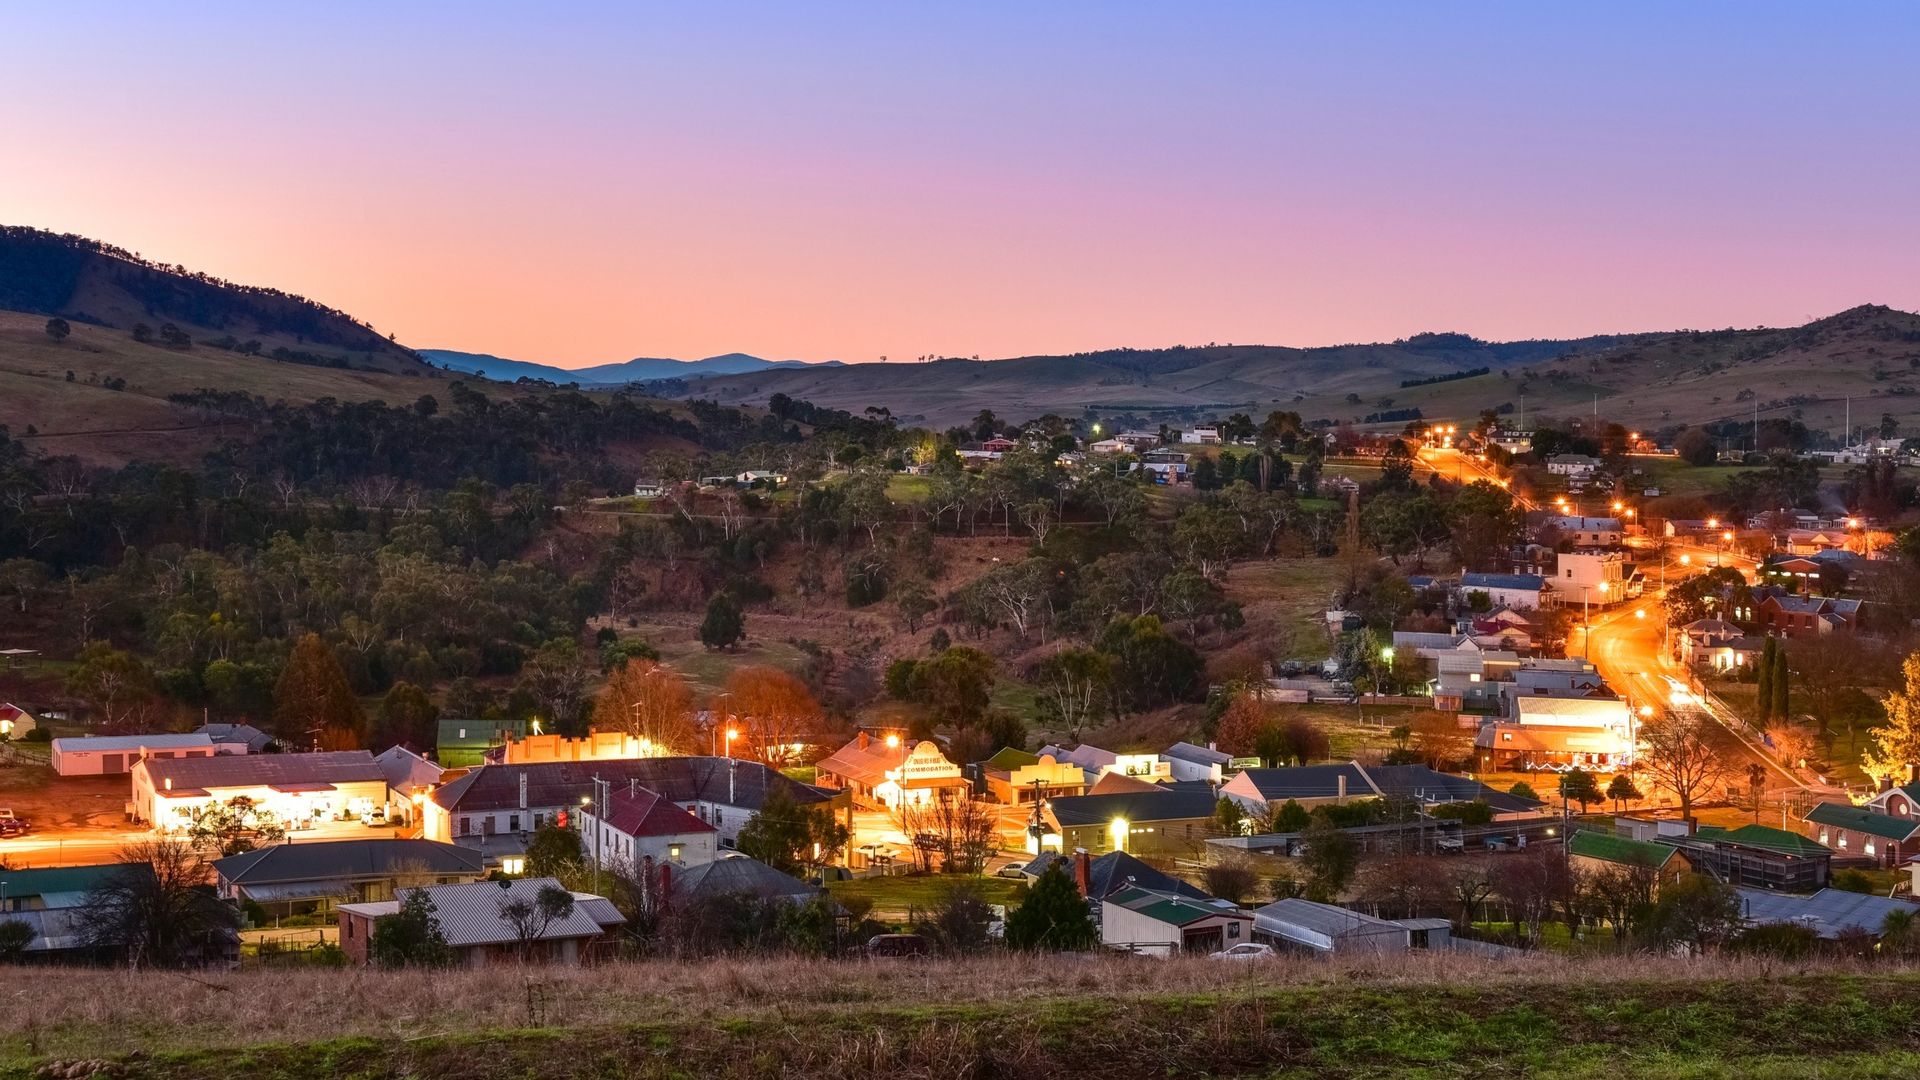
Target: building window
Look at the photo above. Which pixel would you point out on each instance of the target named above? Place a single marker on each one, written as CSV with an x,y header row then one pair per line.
x,y
513,822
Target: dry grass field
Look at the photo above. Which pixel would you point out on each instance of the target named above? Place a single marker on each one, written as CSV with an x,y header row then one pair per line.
x,y
1422,1014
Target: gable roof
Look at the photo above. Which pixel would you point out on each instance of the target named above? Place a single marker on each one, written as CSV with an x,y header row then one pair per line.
x,y
1164,803
1613,848
407,770
1770,839
682,779
1199,755
1862,820
1308,782
1430,786
1010,758
1829,912
346,860
257,741
470,914
648,813
1173,909
1114,871
255,770
1114,783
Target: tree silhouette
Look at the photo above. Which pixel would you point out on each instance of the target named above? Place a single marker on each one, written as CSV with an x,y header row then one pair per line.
x,y
312,703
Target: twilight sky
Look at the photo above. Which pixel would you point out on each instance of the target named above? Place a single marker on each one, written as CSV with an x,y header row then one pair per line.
x,y
583,183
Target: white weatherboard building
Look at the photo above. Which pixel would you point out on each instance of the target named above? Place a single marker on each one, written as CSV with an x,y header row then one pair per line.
x,y
116,755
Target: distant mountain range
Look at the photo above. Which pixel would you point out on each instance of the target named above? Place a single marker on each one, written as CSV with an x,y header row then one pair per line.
x,y
639,369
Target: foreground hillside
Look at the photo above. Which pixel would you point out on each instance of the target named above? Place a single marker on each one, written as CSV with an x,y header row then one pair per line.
x,y
1106,1017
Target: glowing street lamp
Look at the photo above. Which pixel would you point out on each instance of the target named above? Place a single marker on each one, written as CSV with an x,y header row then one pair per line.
x,y
893,740
1117,830
732,734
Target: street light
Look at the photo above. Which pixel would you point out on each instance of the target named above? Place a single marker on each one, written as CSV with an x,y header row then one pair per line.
x,y
1117,831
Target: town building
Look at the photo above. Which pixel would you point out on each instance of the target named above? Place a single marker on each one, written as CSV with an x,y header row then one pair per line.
x,y
410,778
1829,913
1596,851
1559,733
1757,856
465,741
1577,466
1016,777
732,877
1158,923
1593,579
51,903
637,825
115,755
1096,879
889,772
1886,829
1327,929
1185,761
293,879
1524,592
496,807
593,746
1807,616
1168,820
473,918
301,791
1587,532
228,736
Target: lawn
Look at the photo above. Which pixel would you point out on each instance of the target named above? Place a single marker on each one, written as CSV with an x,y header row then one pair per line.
x,y
1289,595
908,488
893,896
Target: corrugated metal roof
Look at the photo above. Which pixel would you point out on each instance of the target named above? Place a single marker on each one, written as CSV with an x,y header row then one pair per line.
x,y
1173,909
345,860
259,770
114,744
1308,782
56,880
1829,912
1160,804
728,877
1624,850
1285,918
648,813
1860,819
470,914
565,783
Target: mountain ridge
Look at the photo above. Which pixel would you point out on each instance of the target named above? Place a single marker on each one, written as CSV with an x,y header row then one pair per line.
x,y
639,369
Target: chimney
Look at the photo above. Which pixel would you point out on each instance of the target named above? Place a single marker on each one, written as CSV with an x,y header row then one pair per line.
x,y
861,738
523,789
1083,871
1341,787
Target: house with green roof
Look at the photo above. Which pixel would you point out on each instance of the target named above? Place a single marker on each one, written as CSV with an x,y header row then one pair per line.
x,y
1597,851
54,887
1164,923
466,741
1758,856
1865,832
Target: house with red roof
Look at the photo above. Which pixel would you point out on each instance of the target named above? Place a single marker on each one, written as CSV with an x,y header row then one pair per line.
x,y
637,825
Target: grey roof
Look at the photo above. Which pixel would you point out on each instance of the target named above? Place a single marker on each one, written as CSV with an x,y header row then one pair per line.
x,y
1167,802
1829,912
54,930
1308,782
114,744
346,860
1531,582
1117,870
257,741
680,779
1285,919
1431,786
470,913
406,770
1200,755
729,877
248,770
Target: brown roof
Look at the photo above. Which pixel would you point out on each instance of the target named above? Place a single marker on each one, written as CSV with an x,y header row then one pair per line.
x,y
260,770
648,813
1114,783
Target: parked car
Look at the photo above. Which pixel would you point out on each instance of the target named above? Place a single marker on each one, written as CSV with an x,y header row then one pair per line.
x,y
1451,845
1246,950
1011,870
898,946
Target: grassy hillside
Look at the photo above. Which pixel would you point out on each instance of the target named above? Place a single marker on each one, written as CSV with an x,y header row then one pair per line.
x,y
1425,1015
1871,354
87,418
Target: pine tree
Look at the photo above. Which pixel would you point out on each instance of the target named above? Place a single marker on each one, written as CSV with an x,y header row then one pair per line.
x,y
1780,678
312,703
724,625
1054,916
1763,677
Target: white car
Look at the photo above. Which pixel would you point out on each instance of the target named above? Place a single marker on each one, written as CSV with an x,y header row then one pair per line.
x,y
1246,950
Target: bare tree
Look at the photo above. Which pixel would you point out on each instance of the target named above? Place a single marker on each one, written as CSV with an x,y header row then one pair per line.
x,y
159,910
968,831
1684,755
